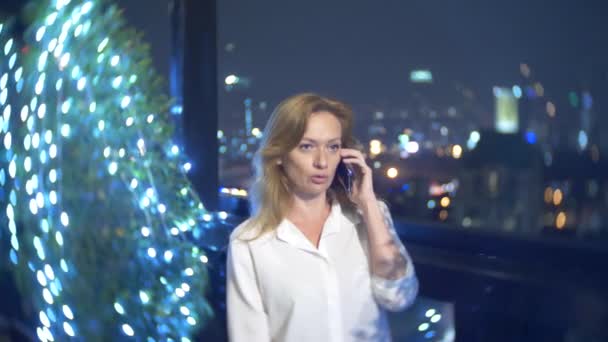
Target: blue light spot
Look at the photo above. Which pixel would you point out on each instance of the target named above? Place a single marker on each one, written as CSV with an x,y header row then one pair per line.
x,y
583,140
15,242
58,283
68,329
51,314
41,278
44,225
119,308
44,319
517,91
531,137
13,197
530,93
128,330
13,257
12,60
587,100
54,289
405,187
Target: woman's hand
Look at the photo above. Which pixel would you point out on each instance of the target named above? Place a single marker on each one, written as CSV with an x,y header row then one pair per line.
x,y
363,188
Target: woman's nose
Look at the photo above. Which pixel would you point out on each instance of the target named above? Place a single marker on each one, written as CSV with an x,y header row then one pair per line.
x,y
321,159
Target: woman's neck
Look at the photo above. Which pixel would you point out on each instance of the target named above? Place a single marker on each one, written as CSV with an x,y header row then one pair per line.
x,y
308,208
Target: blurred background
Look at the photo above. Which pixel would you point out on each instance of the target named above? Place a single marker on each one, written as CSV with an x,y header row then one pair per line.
x,y
478,116
485,123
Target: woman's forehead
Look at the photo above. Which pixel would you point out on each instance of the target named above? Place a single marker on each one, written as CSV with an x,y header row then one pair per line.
x,y
323,123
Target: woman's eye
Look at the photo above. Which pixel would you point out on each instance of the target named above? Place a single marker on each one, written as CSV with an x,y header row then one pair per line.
x,y
305,146
334,147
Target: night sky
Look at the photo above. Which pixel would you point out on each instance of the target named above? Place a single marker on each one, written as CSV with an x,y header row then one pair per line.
x,y
363,51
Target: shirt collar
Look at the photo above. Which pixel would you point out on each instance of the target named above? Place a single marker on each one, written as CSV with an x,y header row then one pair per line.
x,y
288,232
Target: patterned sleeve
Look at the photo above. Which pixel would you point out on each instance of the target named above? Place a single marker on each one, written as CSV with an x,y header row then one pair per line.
x,y
395,294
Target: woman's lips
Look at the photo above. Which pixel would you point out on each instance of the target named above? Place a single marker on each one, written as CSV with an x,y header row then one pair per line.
x,y
319,179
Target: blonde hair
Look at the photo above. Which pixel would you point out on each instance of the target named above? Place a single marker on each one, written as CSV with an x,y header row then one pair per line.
x,y
270,196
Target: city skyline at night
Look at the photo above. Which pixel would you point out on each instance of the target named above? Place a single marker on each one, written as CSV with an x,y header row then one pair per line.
x,y
372,57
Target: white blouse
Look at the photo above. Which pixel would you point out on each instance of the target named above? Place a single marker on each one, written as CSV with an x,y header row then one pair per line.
x,y
280,287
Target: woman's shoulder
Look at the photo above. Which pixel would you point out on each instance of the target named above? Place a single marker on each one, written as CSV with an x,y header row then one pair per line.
x,y
243,229
247,232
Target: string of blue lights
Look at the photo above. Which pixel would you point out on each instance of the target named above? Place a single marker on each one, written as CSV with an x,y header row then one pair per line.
x,y
104,225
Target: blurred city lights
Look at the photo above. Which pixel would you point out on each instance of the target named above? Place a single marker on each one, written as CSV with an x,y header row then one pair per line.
x,y
560,220
582,139
421,76
539,89
445,202
392,172
231,80
516,91
548,195
412,147
531,137
375,147
474,138
256,132
557,197
550,109
456,151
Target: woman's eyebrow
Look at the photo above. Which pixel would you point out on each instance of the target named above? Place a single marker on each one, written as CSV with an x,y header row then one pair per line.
x,y
315,141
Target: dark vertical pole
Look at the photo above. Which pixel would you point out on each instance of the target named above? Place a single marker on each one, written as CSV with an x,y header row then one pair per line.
x,y
200,97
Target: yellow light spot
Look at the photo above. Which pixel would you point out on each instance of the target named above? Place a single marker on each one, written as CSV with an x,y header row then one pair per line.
x,y
445,202
443,215
456,151
560,221
392,172
548,195
375,147
557,197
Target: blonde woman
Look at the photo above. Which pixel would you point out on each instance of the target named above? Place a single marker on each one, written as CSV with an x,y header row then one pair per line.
x,y
319,260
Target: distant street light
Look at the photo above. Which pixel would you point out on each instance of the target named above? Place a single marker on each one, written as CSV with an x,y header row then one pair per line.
x,y
392,172
231,80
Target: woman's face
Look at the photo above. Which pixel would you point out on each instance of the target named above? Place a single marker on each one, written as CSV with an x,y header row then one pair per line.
x,y
310,167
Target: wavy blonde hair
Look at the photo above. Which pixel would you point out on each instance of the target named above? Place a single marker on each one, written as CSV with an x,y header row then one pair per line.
x,y
270,196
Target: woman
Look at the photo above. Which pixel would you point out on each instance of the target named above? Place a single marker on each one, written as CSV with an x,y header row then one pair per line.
x,y
315,262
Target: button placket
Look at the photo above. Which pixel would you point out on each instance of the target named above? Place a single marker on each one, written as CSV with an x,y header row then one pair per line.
x,y
333,294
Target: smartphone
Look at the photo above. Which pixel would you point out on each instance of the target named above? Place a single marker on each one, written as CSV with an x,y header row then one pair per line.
x,y
344,175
